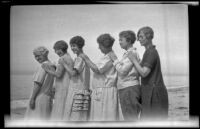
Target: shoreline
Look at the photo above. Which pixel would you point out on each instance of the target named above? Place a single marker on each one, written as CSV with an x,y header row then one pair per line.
x,y
178,104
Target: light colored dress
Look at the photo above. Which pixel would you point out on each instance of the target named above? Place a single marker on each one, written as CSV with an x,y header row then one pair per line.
x,y
61,88
78,99
104,98
43,102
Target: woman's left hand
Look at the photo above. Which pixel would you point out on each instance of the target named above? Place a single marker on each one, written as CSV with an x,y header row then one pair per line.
x,y
45,67
61,61
32,104
112,56
83,56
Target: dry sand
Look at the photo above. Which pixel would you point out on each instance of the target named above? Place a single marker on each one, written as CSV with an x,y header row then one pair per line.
x,y
178,105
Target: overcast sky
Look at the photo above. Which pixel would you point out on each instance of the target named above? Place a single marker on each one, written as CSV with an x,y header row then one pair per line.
x,y
40,25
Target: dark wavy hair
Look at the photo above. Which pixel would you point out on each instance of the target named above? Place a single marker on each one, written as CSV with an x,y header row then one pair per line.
x,y
78,40
61,44
148,31
129,35
106,40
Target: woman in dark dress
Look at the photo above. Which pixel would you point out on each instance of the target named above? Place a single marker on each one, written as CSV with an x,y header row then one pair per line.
x,y
153,91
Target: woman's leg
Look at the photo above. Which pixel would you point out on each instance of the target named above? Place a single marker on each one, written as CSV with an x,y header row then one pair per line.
x,y
129,99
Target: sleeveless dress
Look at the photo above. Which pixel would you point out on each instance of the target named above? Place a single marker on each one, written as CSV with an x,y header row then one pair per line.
x,y
61,88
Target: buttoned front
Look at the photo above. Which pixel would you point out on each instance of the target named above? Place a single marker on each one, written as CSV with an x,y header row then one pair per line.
x,y
127,74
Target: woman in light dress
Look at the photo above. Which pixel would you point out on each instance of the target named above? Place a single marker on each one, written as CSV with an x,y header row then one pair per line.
x,y
40,102
78,100
62,79
104,99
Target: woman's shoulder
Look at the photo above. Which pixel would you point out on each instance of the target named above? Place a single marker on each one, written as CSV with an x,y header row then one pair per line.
x,y
151,54
152,51
66,58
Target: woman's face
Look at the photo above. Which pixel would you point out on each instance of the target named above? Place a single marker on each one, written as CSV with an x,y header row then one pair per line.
x,y
123,43
75,48
142,38
59,52
40,58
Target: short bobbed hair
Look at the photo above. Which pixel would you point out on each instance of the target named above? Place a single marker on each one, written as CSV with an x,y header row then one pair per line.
x,y
41,50
106,40
78,40
148,31
129,35
62,45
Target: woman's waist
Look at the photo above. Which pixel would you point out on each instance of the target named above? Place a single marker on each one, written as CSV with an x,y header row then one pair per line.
x,y
104,87
153,84
79,82
106,83
45,93
62,85
82,91
63,79
127,81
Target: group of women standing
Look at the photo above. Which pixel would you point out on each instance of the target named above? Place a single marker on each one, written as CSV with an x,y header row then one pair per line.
x,y
121,90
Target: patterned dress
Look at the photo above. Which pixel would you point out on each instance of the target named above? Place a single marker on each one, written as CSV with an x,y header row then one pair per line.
x,y
77,105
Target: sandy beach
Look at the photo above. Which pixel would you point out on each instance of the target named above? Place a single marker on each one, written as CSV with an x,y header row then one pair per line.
x,y
178,105
178,115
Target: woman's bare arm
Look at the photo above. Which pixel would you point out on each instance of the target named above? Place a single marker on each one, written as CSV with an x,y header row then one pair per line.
x,y
70,70
143,71
36,90
51,70
90,63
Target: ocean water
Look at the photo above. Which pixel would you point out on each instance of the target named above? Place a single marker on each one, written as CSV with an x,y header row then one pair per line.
x,y
21,84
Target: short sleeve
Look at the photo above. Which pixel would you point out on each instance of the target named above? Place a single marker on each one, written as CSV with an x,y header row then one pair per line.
x,y
39,76
104,64
79,64
150,59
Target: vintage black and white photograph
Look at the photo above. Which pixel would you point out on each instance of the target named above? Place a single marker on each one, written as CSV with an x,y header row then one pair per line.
x,y
97,65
